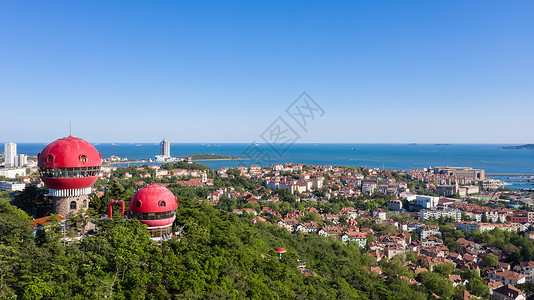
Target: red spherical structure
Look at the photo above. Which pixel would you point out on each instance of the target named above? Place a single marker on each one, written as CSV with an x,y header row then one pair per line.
x,y
69,167
69,164
155,206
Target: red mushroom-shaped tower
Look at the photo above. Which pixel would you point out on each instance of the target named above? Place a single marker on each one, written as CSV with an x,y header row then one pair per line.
x,y
280,251
69,167
155,206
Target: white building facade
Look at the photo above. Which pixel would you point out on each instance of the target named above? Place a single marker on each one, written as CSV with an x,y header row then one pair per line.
x,y
10,150
165,148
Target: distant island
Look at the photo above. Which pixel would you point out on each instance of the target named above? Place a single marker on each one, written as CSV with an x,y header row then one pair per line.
x,y
212,157
527,147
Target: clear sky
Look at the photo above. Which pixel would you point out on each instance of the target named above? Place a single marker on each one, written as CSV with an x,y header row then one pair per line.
x,y
223,71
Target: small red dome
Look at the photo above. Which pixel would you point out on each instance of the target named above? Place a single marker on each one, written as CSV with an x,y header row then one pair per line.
x,y
153,198
280,250
69,152
154,205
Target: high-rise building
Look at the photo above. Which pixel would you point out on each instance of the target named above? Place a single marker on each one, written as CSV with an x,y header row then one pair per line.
x,y
10,150
22,160
165,149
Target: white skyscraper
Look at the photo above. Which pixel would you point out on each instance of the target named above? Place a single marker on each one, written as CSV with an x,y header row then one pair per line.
x,y
165,149
10,150
22,160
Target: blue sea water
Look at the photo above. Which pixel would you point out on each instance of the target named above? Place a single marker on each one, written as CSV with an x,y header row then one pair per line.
x,y
490,157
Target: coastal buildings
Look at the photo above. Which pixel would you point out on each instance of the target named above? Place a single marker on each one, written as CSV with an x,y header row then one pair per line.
x,y
467,172
450,181
165,149
12,160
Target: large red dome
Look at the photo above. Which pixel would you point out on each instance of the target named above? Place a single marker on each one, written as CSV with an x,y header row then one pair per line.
x,y
69,152
69,164
154,205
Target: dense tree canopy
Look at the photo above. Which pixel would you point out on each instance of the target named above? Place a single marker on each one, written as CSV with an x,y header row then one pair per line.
x,y
220,255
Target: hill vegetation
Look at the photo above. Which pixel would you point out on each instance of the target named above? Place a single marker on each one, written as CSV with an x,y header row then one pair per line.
x,y
220,256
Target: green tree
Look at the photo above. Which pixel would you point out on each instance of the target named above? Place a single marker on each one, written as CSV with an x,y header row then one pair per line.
x,y
478,287
33,202
490,260
116,191
436,284
443,269
14,225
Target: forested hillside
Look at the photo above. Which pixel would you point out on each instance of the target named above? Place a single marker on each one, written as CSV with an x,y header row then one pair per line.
x,y
220,256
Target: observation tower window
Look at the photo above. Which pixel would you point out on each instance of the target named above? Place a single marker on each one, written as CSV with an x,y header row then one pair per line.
x,y
138,204
50,158
83,158
162,203
73,205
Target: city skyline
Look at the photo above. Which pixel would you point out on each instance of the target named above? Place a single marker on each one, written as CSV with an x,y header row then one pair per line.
x,y
429,72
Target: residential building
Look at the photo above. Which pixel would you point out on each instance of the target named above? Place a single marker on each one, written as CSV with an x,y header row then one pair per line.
x,y
11,186
426,201
395,205
12,173
436,213
471,226
508,292
507,277
527,269
379,213
355,236
369,187
427,230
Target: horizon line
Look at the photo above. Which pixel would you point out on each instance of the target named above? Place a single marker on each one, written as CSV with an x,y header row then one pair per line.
x,y
302,143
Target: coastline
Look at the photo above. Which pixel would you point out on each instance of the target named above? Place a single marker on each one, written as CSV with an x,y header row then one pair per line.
x,y
142,161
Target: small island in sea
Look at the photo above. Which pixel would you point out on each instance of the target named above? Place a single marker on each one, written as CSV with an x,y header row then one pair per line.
x,y
526,146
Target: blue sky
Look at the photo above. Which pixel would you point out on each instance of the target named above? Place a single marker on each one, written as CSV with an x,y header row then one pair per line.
x,y
202,71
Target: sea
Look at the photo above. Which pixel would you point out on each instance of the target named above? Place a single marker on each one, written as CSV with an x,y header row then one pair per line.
x,y
490,157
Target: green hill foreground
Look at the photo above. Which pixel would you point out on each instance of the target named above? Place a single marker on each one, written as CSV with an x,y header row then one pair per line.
x,y
220,256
